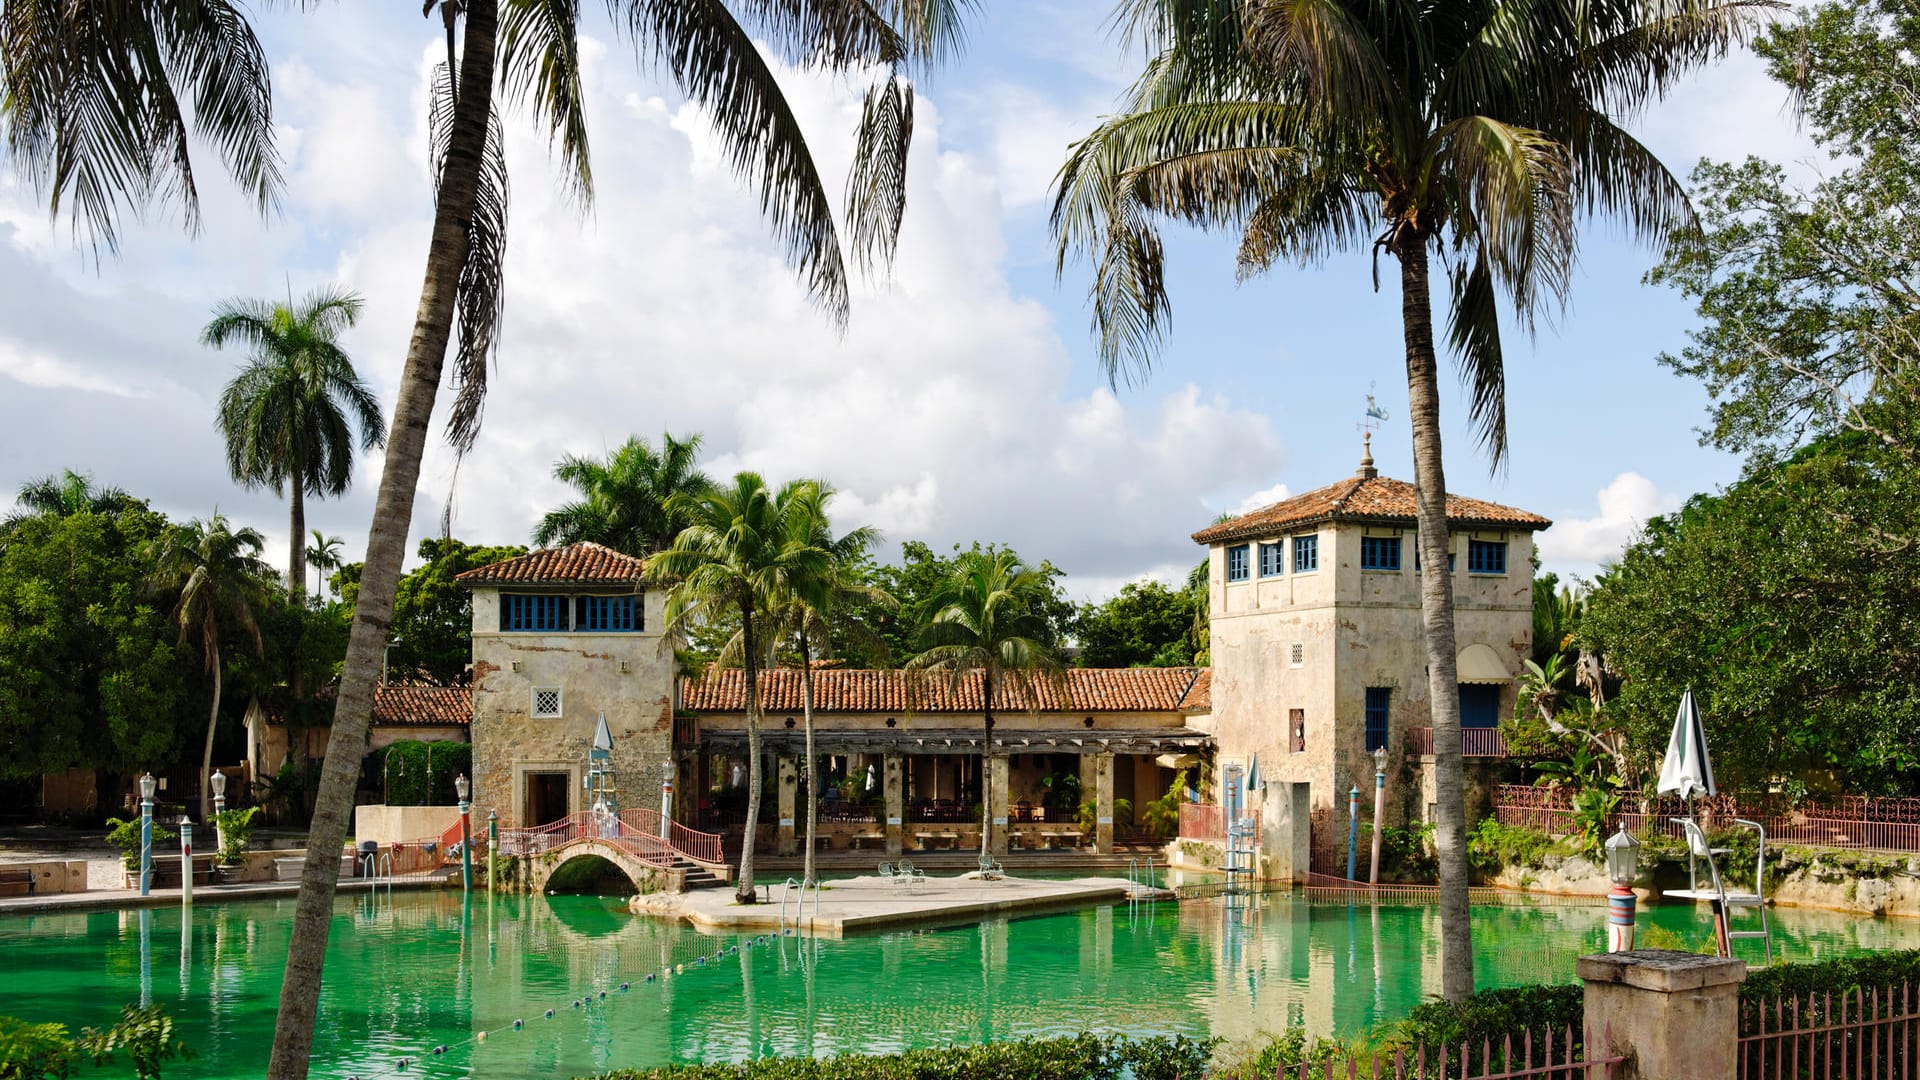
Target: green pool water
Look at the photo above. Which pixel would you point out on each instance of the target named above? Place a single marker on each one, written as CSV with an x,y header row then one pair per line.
x,y
426,969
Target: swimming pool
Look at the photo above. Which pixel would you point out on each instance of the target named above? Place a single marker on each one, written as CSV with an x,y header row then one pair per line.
x,y
427,969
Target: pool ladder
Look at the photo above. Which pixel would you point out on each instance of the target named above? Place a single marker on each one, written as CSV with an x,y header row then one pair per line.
x,y
796,890
378,870
1140,883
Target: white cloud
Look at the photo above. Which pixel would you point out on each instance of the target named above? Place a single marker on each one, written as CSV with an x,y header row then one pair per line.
x,y
52,373
1263,498
1624,506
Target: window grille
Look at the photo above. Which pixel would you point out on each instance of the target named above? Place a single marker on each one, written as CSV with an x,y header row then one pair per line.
x,y
1298,655
1270,560
1486,557
1306,554
1297,729
546,701
1378,700
1237,563
533,614
1379,553
608,613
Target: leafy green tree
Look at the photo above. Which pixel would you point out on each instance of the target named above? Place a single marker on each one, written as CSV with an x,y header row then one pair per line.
x,y
716,60
289,417
915,580
432,627
1809,314
623,500
1145,624
1790,604
89,675
217,573
989,618
739,556
1482,130
63,496
1556,617
818,605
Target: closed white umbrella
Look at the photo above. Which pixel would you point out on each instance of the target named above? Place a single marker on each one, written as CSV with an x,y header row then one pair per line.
x,y
1253,774
1687,770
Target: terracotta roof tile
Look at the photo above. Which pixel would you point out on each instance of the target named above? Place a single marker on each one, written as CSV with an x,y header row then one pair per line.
x,y
860,690
576,564
403,706
1199,696
1371,499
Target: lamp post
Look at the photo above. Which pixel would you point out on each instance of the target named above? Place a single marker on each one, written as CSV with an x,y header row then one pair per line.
x,y
147,786
493,843
219,782
464,787
1379,809
1623,866
666,798
186,861
1353,827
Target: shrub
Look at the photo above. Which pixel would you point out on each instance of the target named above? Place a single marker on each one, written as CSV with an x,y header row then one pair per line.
x,y
1161,816
33,1051
235,832
1487,1019
1494,847
125,835
1408,852
1864,971
417,773
47,1052
1077,1057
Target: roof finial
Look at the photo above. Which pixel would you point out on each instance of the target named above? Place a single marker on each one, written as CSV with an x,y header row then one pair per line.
x,y
1367,471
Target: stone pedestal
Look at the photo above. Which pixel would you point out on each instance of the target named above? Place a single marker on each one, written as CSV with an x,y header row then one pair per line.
x,y
1286,824
995,841
894,812
789,789
1675,1015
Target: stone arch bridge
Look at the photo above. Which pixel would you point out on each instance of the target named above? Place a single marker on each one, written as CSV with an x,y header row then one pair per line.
x,y
632,843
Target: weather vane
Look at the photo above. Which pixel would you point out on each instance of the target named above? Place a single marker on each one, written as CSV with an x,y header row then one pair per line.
x,y
1370,421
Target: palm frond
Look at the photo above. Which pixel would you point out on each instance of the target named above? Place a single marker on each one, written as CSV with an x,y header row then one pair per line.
x,y
1473,333
540,62
481,292
877,182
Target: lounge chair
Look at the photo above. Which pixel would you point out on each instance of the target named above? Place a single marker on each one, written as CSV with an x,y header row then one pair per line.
x,y
991,870
907,870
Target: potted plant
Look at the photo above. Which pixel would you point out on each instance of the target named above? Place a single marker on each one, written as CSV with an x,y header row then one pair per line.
x,y
235,830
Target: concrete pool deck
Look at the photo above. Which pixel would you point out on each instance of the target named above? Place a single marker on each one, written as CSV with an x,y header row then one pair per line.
x,y
851,905
98,899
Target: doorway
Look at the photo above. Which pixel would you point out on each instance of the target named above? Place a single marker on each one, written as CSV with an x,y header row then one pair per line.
x,y
546,798
1479,705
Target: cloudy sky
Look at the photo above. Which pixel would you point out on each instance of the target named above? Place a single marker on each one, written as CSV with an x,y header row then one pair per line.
x,y
964,402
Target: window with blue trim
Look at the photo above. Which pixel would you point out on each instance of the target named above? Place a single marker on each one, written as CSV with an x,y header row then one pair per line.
x,y
1416,559
1379,553
611,614
1306,553
1486,557
1378,700
1237,563
526,613
1270,560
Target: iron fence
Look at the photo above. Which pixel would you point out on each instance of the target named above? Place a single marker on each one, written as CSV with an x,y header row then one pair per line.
x,y
1474,742
1550,1058
1864,1034
1845,822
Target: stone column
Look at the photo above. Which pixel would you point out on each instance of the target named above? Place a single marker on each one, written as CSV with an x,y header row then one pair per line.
x,y
1286,830
1675,1015
789,792
1103,803
893,785
995,842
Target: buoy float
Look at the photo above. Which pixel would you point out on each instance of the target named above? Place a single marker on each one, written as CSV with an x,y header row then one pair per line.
x,y
517,1024
549,1014
481,1037
649,976
623,986
440,1049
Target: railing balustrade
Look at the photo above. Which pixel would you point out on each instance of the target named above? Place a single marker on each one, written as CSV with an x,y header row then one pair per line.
x,y
1846,822
1869,1034
1475,742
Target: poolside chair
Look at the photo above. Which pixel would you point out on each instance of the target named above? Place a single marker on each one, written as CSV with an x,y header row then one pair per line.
x,y
1714,888
990,869
913,874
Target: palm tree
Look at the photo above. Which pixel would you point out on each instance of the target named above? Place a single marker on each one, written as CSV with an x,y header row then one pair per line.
x,y
96,104
288,417
717,63
984,618
623,502
220,578
1314,126
325,555
740,555
817,605
65,495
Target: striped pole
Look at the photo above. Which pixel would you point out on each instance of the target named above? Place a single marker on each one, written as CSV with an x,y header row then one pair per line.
x,y
1353,827
1620,905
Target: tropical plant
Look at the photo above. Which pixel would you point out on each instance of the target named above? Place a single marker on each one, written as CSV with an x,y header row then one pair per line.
x,y
719,65
125,835
1062,791
288,417
1087,814
986,619
1162,815
65,495
623,503
739,556
220,579
235,832
822,602
324,555
1482,130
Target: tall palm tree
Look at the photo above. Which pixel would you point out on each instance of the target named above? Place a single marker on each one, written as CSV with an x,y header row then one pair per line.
x,y
65,495
740,555
708,48
817,605
984,618
289,417
623,503
220,579
99,103
1483,129
325,555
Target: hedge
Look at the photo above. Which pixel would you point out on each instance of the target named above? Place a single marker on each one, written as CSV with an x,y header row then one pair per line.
x,y
417,773
1077,1057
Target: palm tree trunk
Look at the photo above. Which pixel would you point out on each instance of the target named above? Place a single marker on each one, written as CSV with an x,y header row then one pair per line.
x,y
813,763
297,550
386,548
1436,610
986,756
743,888
206,755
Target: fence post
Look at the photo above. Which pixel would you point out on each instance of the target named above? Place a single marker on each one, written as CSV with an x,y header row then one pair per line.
x,y
1674,1015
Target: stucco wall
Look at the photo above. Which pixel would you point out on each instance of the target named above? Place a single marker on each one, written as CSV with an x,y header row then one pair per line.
x,y
390,824
628,676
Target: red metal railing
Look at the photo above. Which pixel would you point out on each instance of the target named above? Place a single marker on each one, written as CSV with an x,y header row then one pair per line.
x,y
1549,1058
587,825
1474,742
698,846
1205,821
1865,1034
450,842
1846,822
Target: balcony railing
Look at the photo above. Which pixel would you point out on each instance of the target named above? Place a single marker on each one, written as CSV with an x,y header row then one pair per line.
x,y
1476,742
